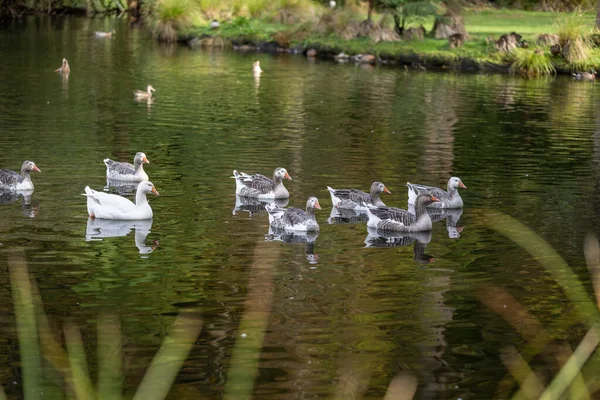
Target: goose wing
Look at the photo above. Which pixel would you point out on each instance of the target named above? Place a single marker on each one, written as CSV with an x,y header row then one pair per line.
x,y
437,192
397,215
258,182
355,195
294,216
107,200
123,168
9,178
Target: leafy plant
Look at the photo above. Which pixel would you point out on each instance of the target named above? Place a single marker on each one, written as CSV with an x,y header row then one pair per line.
x,y
532,63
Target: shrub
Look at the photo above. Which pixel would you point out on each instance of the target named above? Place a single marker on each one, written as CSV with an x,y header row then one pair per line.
x,y
170,18
573,35
532,63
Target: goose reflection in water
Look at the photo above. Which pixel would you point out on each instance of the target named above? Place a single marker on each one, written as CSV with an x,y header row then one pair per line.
x,y
308,238
379,238
344,216
97,229
451,215
10,197
122,188
255,206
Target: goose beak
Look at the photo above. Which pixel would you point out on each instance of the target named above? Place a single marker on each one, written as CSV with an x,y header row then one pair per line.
x,y
145,160
287,176
317,205
461,185
385,190
35,168
434,199
155,191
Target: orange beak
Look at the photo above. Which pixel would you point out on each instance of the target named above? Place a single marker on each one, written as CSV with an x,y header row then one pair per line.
x,y
461,185
385,190
145,160
35,168
155,191
287,176
317,205
434,199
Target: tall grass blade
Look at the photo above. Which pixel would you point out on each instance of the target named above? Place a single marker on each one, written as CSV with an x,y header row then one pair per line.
x,y
110,365
531,386
170,357
79,370
29,346
402,387
591,249
572,367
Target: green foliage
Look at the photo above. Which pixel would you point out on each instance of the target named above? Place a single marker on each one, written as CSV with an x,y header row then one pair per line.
x,y
169,19
573,34
532,63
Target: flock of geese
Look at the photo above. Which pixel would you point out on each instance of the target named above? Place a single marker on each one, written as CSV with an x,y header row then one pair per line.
x,y
270,194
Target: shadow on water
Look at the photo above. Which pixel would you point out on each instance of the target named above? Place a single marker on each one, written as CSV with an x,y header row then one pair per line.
x,y
98,229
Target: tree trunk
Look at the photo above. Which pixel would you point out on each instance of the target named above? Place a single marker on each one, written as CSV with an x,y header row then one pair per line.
x,y
399,28
371,9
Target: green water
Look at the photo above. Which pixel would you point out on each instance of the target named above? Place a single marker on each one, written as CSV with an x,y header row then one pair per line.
x,y
336,309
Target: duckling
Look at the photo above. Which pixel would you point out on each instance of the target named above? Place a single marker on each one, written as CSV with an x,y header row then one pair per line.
x,y
64,68
141,95
256,70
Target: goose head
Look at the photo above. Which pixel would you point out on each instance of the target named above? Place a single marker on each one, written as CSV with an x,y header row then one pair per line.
x,y
150,89
29,166
423,200
147,187
378,187
313,203
281,173
455,182
140,158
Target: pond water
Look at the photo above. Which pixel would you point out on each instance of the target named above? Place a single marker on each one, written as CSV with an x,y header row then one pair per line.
x,y
342,312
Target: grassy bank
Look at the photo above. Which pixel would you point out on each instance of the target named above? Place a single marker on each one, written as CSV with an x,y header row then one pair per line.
x,y
325,34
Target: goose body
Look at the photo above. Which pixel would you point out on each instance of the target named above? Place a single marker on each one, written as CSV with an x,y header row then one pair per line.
x,y
64,68
144,95
122,171
256,69
354,199
399,220
101,34
11,180
294,219
447,199
112,206
261,187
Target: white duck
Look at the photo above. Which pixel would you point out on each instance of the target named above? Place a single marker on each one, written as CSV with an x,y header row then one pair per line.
x,y
144,95
256,69
354,199
447,199
112,206
399,220
261,187
294,219
10,180
122,171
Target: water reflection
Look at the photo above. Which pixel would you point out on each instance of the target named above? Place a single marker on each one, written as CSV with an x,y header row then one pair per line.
x,y
308,238
9,197
122,188
255,206
97,229
344,216
451,215
379,238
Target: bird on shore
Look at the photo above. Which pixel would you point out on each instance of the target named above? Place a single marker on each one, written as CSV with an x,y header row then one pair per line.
x,y
214,24
447,199
112,206
141,95
64,68
261,187
294,219
10,180
124,171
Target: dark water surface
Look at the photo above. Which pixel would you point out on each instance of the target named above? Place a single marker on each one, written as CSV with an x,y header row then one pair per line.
x,y
342,315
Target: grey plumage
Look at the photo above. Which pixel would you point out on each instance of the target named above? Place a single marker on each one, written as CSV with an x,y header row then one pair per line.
x,y
260,186
12,180
294,218
354,198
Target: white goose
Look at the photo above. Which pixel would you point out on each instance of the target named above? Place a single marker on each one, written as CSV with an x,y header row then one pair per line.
x,y
447,199
112,206
122,171
261,187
